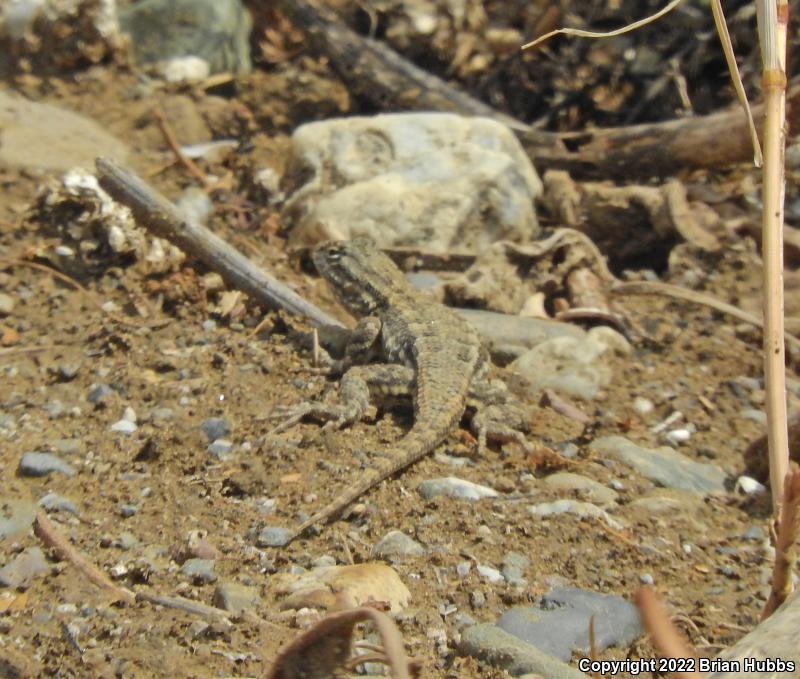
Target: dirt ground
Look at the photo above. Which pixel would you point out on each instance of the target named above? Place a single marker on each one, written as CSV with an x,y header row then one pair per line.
x,y
157,353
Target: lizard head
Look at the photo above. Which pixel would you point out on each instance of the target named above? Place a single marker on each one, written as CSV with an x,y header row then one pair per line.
x,y
360,275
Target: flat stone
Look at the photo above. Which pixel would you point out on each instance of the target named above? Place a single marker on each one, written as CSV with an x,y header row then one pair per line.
x,y
274,536
53,502
584,486
454,487
389,177
663,466
559,625
235,598
215,428
16,516
396,545
42,464
23,568
575,507
571,366
43,137
124,427
99,393
500,649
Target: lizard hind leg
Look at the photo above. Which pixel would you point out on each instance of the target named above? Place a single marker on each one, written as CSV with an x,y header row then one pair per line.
x,y
359,387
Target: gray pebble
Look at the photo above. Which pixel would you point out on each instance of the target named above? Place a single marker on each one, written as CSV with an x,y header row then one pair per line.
x,y
124,427
396,545
215,428
126,541
16,516
7,304
235,598
42,464
220,448
463,569
199,571
477,599
462,620
69,371
490,574
68,446
128,510
274,536
753,533
162,414
53,502
209,325
23,568
54,409
454,487
99,393
646,579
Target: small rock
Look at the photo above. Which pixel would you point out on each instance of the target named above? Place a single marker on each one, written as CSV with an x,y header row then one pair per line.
x,y
643,406
580,509
69,371
463,568
215,428
23,568
54,409
124,427
196,207
99,393
663,466
68,446
454,487
274,536
752,533
477,599
646,579
7,304
235,598
209,325
128,510
53,502
220,448
490,574
127,541
42,464
586,487
396,545
200,571
162,414
749,486
129,415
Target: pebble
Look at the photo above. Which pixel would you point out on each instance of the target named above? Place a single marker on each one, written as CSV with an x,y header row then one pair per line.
x,y
215,428
220,448
463,568
126,511
68,446
126,541
235,598
752,533
273,536
579,509
54,409
500,649
7,304
663,466
749,486
477,599
42,464
323,561
490,574
69,371
643,406
23,568
646,579
99,393
53,502
199,571
129,415
209,324
124,427
454,487
559,623
678,436
758,416
196,207
162,414
396,545
586,487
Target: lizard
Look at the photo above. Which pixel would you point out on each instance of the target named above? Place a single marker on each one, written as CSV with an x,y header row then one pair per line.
x,y
429,352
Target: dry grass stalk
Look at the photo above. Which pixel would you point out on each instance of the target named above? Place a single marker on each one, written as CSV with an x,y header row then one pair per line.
x,y
772,21
785,544
666,639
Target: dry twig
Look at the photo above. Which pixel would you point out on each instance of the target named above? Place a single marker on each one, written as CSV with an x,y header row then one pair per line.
x,y
175,147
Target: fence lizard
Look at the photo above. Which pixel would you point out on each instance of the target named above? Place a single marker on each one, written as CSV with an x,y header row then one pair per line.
x,y
428,352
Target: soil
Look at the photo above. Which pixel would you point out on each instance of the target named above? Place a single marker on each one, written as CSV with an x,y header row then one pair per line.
x,y
156,353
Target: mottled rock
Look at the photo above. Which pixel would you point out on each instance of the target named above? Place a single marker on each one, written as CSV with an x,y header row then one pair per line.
x,y
235,598
215,428
389,177
396,545
16,516
23,568
53,502
274,536
199,571
579,509
585,487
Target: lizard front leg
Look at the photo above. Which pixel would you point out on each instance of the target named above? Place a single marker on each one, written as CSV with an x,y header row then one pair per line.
x,y
498,416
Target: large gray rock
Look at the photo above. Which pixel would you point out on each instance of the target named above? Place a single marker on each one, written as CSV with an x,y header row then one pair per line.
x,y
437,180
493,645
560,624
664,466
216,31
42,137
